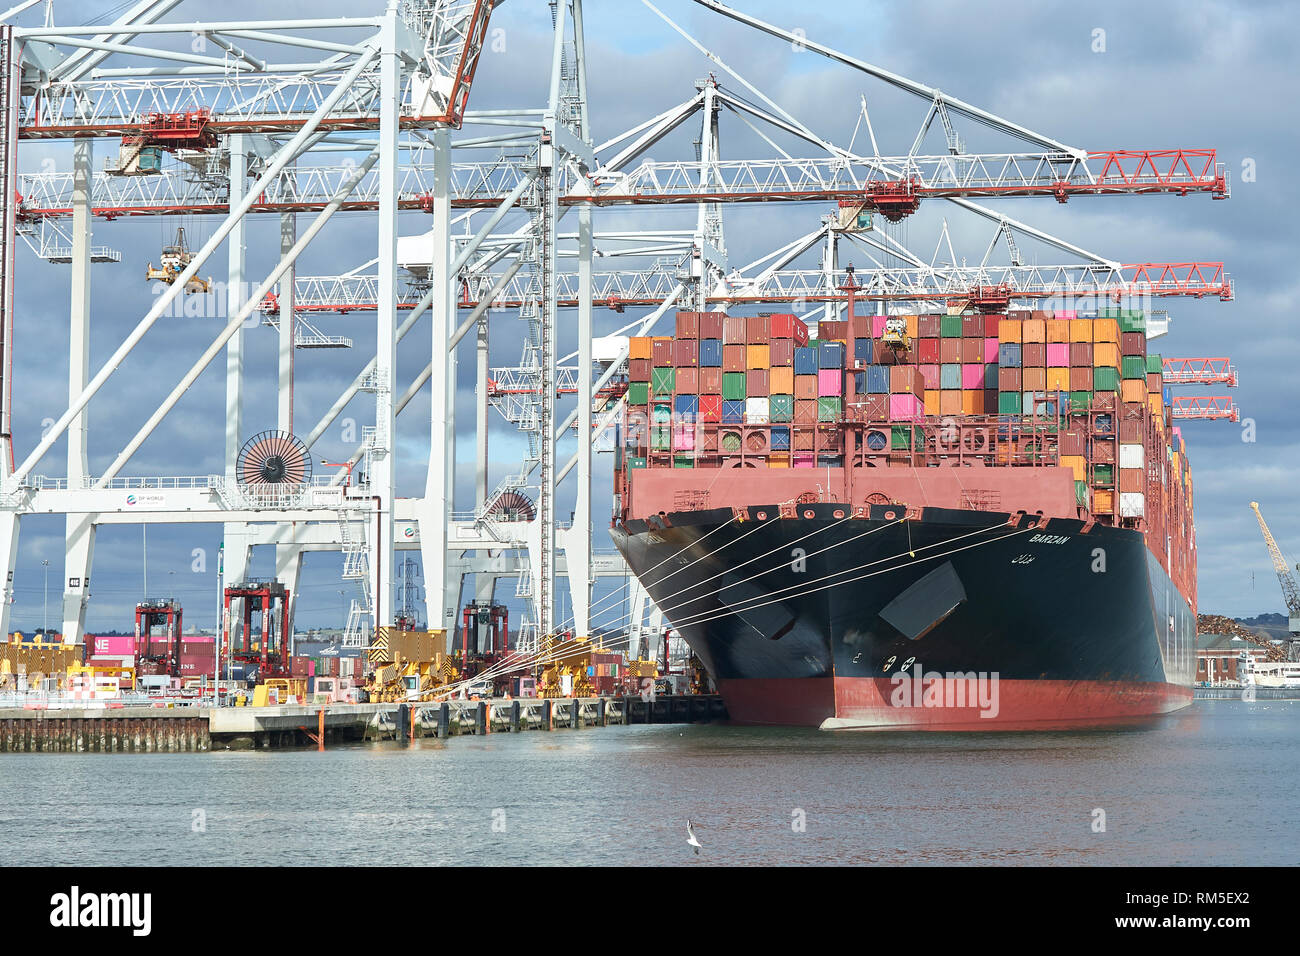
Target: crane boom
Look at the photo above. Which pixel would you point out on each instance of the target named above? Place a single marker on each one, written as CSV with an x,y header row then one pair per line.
x,y
1290,593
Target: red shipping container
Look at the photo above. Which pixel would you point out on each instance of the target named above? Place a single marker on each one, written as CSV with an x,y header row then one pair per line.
x,y
733,330
1132,411
686,353
860,326
972,351
733,358
1033,379
1081,355
711,325
805,411
1073,442
1033,355
1130,431
1132,480
927,351
833,329
1102,451
757,330
882,354
1133,343
638,370
950,351
688,325
929,326
875,408
1103,401
972,326
756,382
781,351
710,381
1155,382
1009,380
711,408
662,351
687,381
1081,380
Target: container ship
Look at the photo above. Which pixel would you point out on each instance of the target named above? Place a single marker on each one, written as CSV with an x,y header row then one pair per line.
x,y
974,521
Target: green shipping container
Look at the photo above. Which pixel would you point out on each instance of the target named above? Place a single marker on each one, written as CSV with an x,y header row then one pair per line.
x,y
780,408
636,462
684,461
1009,403
1080,401
661,438
733,386
1135,366
814,343
1105,379
1155,364
1081,492
828,409
900,436
1132,320
1103,475
663,380
950,326
638,393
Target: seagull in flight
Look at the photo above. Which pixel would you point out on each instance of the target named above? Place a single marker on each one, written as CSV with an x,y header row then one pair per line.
x,y
690,837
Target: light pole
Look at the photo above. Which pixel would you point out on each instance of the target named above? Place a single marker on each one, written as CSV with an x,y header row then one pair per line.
x,y
45,618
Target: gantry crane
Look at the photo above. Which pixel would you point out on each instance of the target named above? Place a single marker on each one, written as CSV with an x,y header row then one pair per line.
x,y
1290,593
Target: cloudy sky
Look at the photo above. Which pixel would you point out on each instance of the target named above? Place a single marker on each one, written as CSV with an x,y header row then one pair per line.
x,y
1100,76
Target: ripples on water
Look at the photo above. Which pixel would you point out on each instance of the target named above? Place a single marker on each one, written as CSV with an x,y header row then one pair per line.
x,y
1214,784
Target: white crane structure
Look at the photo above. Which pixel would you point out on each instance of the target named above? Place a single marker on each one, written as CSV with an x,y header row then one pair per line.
x,y
298,120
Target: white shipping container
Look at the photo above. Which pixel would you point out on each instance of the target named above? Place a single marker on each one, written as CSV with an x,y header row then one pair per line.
x,y
1132,504
1130,456
757,411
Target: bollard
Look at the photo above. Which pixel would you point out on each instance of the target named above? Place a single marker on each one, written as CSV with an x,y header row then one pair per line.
x,y
514,717
444,719
403,721
481,718
548,716
575,714
600,712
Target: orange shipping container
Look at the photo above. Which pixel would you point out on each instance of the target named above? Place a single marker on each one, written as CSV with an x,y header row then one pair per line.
x,y
758,356
781,380
1105,330
972,401
932,406
913,324
638,347
1033,379
1133,390
1034,330
1081,330
1058,330
1106,355
1010,330
1157,403
1103,501
950,402
1058,379
1078,464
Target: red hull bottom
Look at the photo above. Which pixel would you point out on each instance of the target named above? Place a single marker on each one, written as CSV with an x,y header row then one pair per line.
x,y
883,704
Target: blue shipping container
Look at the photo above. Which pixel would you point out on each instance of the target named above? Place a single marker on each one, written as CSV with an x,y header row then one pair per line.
x,y
990,377
950,376
805,361
831,355
780,438
710,353
1009,355
878,379
687,405
733,411
862,350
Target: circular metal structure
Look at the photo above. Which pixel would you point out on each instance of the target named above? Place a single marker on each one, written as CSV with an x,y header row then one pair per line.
x,y
512,506
273,458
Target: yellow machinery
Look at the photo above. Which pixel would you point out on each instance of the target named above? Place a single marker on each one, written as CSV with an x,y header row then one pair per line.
x,y
280,690
408,665
98,675
567,659
895,335
173,262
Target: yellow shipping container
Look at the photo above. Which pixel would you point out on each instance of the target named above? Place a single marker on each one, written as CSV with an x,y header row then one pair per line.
x,y
778,459
1078,464
1081,330
1106,355
1105,330
758,356
1058,379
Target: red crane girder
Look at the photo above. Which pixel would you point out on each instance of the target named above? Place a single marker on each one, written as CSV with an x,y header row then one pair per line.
x,y
1209,407
1199,371
1178,171
1197,279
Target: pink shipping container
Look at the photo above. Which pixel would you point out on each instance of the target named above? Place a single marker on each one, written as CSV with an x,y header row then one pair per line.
x,y
1058,355
878,326
972,376
803,460
1068,314
829,382
733,330
906,408
931,375
684,436
113,645
991,351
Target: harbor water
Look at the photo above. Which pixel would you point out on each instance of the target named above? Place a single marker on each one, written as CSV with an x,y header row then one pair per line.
x,y
1215,784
